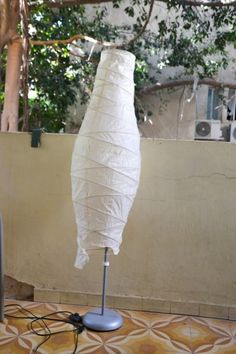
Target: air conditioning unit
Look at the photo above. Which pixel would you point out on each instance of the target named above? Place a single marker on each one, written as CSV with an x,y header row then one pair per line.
x,y
207,130
233,132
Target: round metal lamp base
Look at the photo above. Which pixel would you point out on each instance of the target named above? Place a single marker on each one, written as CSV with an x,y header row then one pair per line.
x,y
109,321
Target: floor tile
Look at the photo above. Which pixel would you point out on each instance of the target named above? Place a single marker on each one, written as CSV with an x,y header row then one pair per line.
x,y
142,332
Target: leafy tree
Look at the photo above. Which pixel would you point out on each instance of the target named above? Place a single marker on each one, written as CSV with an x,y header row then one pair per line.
x,y
194,36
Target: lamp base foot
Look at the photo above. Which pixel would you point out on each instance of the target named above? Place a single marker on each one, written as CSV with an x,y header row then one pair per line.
x,y
109,321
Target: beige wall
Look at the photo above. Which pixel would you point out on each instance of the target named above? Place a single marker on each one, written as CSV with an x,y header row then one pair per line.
x,y
180,240
172,118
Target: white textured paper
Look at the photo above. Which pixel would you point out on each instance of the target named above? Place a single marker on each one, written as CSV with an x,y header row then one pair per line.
x,y
106,158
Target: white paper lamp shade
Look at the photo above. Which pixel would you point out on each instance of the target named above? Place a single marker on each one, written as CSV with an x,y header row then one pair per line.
x,y
106,158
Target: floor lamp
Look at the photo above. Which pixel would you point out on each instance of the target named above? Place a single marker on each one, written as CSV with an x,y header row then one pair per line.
x,y
103,319
105,170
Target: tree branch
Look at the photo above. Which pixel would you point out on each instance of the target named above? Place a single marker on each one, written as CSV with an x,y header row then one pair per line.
x,y
212,4
184,82
142,29
90,39
71,39
58,4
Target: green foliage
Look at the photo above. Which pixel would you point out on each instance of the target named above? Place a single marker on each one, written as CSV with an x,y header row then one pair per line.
x,y
196,39
56,78
190,37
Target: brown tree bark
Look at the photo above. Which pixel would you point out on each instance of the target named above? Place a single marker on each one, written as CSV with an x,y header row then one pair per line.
x,y
4,22
9,118
9,17
58,4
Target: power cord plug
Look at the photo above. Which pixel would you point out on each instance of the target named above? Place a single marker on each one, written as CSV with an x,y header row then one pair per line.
x,y
75,319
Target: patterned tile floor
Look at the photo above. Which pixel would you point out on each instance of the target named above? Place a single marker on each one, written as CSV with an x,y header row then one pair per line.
x,y
142,332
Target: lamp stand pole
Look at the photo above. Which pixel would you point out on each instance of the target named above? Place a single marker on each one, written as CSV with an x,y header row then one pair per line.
x,y
103,319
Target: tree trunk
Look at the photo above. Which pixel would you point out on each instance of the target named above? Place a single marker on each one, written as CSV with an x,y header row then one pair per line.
x,y
4,22
9,120
9,17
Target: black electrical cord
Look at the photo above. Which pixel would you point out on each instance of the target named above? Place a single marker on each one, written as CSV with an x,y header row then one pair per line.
x,y
73,319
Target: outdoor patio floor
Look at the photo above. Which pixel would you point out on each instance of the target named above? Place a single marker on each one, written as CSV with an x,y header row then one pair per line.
x,y
142,332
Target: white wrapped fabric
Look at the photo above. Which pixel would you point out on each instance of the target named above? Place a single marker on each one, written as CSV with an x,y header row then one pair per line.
x,y
106,158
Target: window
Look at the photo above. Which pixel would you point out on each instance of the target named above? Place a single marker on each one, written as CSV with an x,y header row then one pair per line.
x,y
221,104
231,105
214,104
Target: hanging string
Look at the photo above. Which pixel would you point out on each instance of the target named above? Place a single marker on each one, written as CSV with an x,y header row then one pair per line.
x,y
182,102
91,51
195,84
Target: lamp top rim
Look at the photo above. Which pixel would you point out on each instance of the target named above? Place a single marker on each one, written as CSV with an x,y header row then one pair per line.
x,y
119,52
